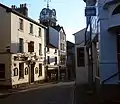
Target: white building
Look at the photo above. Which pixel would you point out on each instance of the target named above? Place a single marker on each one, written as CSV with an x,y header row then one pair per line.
x,y
22,47
56,53
84,74
56,44
81,60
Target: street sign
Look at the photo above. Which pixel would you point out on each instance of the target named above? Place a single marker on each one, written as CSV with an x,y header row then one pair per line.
x,y
90,11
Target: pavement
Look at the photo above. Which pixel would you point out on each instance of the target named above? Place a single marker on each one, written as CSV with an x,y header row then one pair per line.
x,y
59,93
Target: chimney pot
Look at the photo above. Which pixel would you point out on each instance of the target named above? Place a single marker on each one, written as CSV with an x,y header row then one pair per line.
x,y
12,6
25,5
20,5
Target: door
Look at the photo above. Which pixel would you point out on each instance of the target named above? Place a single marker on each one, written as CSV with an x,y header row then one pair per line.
x,y
32,73
118,52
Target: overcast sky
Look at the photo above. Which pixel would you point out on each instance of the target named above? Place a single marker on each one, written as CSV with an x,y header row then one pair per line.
x,y
70,14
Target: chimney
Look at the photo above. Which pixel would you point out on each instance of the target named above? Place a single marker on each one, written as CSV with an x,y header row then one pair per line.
x,y
22,9
13,6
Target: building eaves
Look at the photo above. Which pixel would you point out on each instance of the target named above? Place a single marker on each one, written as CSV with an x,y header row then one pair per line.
x,y
21,15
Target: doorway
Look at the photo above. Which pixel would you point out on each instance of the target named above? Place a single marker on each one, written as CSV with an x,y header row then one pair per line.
x,y
32,72
118,53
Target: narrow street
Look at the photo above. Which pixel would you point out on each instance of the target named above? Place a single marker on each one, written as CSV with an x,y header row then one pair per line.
x,y
61,93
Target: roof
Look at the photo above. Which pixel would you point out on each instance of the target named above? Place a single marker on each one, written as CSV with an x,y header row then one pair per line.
x,y
70,44
79,31
58,28
21,15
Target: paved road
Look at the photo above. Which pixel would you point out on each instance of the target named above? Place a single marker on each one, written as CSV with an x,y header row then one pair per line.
x,y
53,94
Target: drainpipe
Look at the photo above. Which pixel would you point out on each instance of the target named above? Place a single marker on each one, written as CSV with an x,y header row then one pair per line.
x,y
91,61
45,53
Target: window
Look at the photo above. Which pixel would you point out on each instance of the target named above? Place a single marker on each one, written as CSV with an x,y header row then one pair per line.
x,y
21,70
31,28
40,32
48,59
31,46
80,57
55,50
48,49
26,71
62,59
40,69
63,37
21,45
55,60
15,71
21,24
2,70
61,46
40,49
36,70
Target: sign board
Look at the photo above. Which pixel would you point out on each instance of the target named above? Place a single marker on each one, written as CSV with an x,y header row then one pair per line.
x,y
90,11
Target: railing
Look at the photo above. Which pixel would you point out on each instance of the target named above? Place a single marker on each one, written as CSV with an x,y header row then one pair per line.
x,y
112,76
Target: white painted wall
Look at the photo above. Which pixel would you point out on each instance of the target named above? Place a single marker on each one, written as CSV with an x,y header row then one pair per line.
x,y
10,34
81,72
52,56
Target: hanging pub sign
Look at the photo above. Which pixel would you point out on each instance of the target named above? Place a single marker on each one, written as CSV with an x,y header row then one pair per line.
x,y
90,11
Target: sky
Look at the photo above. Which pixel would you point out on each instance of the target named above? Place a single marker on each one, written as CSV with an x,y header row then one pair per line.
x,y
70,13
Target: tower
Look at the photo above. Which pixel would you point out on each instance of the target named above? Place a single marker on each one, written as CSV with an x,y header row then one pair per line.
x,y
48,16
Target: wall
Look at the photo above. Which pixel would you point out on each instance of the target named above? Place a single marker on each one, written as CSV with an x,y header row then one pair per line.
x,y
5,29
52,55
16,33
4,42
62,40
108,49
81,72
5,58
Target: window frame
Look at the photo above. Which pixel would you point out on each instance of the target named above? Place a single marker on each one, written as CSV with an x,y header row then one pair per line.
x,y
31,28
39,32
40,70
40,48
30,45
48,59
15,71
21,45
55,60
80,57
48,49
21,71
21,24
